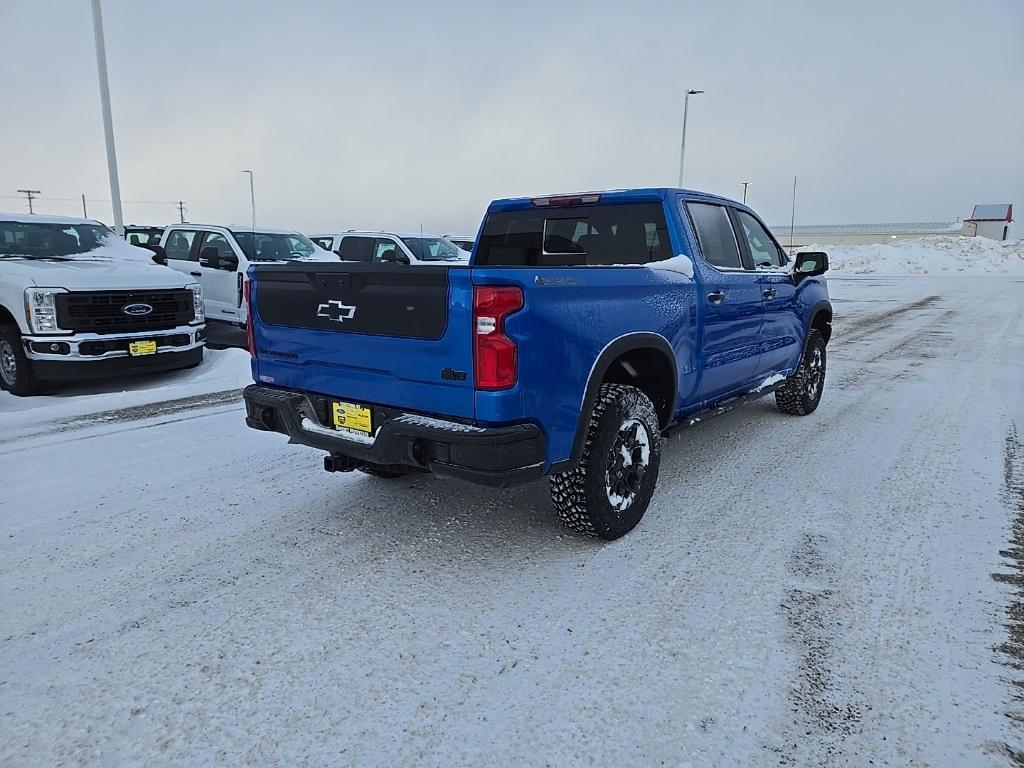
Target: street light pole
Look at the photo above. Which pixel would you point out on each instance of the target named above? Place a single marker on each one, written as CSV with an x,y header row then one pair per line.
x,y
682,148
745,185
108,123
252,200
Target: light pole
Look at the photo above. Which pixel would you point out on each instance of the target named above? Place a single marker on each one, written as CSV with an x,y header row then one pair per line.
x,y
252,200
682,148
108,123
745,185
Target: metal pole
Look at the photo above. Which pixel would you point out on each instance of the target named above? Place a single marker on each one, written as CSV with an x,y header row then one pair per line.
x,y
745,185
85,211
792,217
108,122
252,199
682,147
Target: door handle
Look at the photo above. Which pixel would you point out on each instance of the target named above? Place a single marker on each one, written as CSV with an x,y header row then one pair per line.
x,y
717,297
768,293
196,274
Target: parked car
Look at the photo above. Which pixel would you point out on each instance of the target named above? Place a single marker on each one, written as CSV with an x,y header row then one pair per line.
x,y
218,258
391,247
586,326
465,242
140,234
78,302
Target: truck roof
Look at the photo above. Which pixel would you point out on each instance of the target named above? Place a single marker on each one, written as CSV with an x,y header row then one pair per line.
x,y
640,194
37,218
236,228
370,232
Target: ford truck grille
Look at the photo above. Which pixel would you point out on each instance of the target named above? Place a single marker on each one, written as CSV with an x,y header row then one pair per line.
x,y
104,311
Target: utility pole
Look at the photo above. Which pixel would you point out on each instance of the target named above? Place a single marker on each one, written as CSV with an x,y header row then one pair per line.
x,y
30,193
108,122
181,210
85,211
745,185
252,199
792,217
682,148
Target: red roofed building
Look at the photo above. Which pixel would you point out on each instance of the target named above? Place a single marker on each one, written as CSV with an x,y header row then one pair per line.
x,y
991,221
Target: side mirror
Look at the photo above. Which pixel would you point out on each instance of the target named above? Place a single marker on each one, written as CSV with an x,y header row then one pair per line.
x,y
394,256
810,264
209,257
159,254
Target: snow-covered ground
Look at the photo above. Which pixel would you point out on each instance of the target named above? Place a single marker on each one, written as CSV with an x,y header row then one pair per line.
x,y
951,254
179,590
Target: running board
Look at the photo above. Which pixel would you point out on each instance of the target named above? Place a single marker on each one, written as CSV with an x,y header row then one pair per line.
x,y
698,417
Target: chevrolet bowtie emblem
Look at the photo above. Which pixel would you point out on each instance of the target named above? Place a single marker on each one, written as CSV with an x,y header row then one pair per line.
x,y
336,311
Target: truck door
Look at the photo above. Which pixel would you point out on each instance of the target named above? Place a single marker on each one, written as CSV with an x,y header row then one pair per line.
x,y
781,332
732,304
182,251
220,283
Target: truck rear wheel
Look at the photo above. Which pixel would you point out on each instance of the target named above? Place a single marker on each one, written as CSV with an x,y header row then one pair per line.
x,y
15,368
607,493
802,392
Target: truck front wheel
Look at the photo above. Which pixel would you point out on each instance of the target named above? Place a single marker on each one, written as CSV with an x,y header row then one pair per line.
x,y
15,368
607,493
801,393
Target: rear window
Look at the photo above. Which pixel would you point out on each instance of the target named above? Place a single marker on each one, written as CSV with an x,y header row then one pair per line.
x,y
586,235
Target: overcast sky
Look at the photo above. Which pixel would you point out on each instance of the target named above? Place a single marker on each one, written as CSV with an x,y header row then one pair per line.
x,y
392,114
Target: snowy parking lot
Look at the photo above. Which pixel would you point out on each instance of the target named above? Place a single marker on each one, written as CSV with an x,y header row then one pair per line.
x,y
833,590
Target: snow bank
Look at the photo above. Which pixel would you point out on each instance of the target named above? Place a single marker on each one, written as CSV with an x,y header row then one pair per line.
x,y
220,370
952,254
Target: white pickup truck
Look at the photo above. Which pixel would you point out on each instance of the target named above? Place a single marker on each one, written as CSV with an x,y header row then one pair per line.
x,y
78,302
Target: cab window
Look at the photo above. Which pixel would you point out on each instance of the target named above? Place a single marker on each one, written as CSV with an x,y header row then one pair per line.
x,y
717,240
763,251
179,245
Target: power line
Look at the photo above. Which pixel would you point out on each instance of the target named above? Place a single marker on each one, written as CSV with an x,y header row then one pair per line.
x,y
30,193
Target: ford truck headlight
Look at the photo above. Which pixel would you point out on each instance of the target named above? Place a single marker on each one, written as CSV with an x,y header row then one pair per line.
x,y
197,304
41,309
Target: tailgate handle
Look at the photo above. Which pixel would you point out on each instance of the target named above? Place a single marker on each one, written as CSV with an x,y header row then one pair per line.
x,y
343,280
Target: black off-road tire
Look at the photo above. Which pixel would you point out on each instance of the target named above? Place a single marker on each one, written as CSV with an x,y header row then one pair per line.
x,y
385,471
582,497
801,394
15,368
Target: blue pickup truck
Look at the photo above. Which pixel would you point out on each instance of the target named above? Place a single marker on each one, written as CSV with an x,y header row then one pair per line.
x,y
584,328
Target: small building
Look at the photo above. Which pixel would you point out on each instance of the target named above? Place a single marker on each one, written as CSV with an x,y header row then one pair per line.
x,y
991,221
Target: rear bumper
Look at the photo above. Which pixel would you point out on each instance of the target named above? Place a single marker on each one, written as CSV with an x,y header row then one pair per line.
x,y
497,456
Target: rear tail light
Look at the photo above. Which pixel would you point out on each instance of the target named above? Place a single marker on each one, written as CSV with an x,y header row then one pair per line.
x,y
495,360
249,333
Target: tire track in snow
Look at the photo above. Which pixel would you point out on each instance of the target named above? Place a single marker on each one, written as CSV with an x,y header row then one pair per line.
x,y
1013,649
824,707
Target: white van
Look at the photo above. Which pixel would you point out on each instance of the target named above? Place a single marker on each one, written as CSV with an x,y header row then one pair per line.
x,y
218,257
395,247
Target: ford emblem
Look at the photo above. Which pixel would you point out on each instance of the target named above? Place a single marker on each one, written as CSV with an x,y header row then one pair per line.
x,y
136,310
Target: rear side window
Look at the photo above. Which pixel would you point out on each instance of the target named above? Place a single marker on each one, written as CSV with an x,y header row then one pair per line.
x,y
586,235
323,242
718,243
356,248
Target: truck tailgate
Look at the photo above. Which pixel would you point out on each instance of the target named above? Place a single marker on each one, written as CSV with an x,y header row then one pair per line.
x,y
386,334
